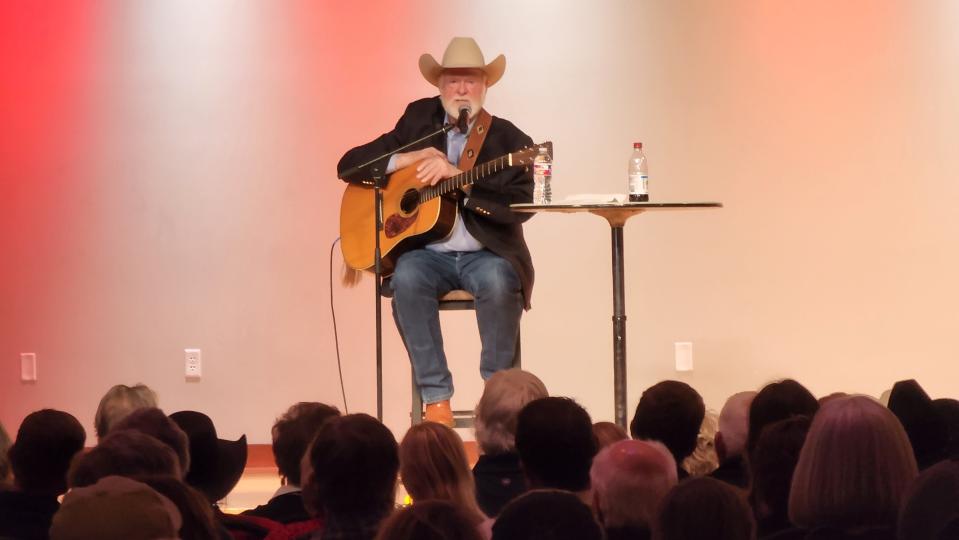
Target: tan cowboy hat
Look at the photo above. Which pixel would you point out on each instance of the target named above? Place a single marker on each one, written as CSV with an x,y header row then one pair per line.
x,y
462,53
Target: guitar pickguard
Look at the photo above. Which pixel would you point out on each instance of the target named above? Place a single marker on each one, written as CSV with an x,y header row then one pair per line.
x,y
395,224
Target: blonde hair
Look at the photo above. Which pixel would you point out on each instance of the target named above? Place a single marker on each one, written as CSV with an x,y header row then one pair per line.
x,y
504,395
608,433
704,460
433,466
854,467
120,401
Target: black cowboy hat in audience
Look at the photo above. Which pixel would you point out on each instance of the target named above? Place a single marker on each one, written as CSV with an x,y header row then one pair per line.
x,y
923,423
215,464
949,410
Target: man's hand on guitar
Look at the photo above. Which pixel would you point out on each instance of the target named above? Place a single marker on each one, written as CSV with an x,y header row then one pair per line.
x,y
432,164
435,168
405,159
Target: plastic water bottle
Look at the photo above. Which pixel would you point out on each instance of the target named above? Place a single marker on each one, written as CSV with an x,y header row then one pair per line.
x,y
638,186
542,174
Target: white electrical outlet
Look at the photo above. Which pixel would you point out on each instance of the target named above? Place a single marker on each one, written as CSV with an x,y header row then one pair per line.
x,y
684,355
28,367
193,364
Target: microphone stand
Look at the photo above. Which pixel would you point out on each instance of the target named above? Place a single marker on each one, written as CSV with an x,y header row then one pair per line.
x,y
377,176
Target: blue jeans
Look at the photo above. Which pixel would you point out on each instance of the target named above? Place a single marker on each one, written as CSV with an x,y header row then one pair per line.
x,y
421,277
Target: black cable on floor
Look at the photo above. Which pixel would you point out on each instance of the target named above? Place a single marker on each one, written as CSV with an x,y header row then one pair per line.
x,y
336,339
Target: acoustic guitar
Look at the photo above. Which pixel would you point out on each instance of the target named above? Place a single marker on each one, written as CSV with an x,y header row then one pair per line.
x,y
414,214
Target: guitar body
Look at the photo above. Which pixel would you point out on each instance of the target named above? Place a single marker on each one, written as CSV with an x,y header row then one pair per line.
x,y
406,225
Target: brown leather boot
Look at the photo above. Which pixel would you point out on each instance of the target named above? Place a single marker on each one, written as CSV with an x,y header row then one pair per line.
x,y
440,412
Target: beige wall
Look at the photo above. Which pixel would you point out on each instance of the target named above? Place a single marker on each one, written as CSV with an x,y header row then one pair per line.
x,y
180,192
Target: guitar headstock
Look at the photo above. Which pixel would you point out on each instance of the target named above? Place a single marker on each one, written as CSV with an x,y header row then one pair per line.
x,y
527,154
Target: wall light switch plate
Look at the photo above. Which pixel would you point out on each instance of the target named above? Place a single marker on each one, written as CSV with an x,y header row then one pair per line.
x,y
28,367
684,355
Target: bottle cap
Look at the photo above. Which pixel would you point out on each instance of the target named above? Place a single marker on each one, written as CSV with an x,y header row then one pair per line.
x,y
637,145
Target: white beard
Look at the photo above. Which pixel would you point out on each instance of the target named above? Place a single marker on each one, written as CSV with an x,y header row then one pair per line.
x,y
452,107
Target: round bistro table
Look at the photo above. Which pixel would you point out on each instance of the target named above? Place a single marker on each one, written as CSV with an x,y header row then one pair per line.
x,y
616,214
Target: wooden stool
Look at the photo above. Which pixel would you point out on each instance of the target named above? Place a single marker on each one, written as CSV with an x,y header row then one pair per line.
x,y
454,301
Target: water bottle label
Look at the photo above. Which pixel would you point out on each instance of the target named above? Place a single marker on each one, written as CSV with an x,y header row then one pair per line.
x,y
545,169
638,183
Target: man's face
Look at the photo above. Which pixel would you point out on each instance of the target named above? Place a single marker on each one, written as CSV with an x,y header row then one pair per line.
x,y
462,86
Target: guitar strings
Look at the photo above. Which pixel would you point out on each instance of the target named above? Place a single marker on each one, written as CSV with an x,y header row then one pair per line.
x,y
462,179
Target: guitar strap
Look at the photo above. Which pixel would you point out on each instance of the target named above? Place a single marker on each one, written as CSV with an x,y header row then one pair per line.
x,y
474,140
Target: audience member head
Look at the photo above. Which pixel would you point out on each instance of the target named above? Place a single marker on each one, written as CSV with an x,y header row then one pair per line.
x,y
923,423
607,433
704,459
853,469
429,520
198,520
670,412
772,466
216,464
120,401
704,509
733,426
554,438
629,479
292,434
153,422
505,394
829,397
40,457
778,401
931,503
6,476
115,508
547,514
433,465
353,463
949,412
124,453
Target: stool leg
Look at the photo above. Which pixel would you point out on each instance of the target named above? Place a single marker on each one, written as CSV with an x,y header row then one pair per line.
x,y
518,355
416,409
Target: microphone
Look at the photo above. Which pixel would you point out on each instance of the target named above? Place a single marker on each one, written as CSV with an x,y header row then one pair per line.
x,y
462,122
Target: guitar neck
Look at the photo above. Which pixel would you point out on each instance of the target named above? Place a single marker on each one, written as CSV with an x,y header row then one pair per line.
x,y
466,178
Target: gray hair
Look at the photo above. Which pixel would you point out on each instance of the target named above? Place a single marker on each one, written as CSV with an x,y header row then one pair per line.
x,y
734,422
4,460
505,394
629,480
120,401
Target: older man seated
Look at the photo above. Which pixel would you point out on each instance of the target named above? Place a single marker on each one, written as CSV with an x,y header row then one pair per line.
x,y
629,479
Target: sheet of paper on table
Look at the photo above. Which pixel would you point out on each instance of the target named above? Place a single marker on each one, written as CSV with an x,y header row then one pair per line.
x,y
595,198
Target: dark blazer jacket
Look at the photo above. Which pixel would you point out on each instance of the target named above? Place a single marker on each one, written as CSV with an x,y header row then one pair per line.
x,y
286,508
487,214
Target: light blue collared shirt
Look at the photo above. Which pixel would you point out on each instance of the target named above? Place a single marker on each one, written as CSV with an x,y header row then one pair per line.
x,y
459,239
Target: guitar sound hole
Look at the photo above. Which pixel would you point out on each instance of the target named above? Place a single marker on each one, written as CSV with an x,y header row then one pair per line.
x,y
410,201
